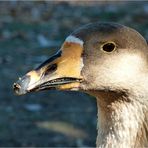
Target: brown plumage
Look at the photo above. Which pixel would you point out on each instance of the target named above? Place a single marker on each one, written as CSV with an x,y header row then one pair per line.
x,y
110,62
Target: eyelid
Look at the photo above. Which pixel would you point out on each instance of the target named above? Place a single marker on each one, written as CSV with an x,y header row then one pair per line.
x,y
112,42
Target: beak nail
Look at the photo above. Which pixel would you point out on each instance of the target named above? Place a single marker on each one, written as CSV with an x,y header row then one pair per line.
x,y
20,87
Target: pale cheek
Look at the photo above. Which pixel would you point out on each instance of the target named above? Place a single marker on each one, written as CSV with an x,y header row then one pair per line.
x,y
125,71
118,70
127,67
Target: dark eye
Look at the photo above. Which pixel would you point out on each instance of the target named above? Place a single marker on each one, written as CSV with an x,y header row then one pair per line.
x,y
108,47
51,68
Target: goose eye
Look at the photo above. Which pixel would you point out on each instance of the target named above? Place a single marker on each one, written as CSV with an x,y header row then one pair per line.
x,y
108,47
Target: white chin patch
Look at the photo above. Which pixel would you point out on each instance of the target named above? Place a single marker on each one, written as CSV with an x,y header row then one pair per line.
x,y
74,39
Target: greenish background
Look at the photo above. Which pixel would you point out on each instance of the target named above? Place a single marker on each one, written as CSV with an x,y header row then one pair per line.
x,y
29,33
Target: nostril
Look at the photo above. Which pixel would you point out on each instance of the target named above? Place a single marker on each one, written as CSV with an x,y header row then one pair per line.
x,y
16,87
50,69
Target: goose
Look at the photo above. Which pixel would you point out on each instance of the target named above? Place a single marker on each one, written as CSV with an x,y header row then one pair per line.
x,y
110,62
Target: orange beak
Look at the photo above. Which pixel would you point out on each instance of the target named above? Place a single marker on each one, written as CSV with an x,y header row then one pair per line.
x,y
61,71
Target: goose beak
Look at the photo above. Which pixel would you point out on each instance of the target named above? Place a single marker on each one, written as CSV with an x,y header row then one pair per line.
x,y
62,71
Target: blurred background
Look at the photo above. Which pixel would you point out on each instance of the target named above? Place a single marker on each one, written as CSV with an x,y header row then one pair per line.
x,y
31,31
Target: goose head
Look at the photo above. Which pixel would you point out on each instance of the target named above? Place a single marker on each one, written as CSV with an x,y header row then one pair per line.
x,y
98,56
108,61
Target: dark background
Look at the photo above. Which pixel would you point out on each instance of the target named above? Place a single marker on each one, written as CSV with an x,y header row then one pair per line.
x,y
29,33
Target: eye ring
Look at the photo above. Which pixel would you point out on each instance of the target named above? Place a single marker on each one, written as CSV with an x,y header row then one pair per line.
x,y
108,47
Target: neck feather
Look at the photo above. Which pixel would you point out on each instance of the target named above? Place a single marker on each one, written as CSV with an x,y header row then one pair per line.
x,y
122,120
